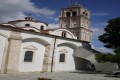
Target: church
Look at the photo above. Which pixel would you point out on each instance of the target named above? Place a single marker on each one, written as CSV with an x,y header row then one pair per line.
x,y
29,46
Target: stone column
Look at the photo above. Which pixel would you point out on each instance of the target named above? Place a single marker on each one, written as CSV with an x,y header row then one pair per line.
x,y
5,56
13,52
51,66
46,58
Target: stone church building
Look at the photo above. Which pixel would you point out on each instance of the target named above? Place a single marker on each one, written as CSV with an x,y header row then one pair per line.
x,y
29,46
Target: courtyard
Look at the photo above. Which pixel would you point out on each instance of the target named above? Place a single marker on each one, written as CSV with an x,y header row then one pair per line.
x,y
58,76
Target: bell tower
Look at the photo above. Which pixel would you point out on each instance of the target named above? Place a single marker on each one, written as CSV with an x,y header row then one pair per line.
x,y
76,18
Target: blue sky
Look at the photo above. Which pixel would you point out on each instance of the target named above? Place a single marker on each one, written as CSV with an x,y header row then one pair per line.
x,y
101,12
49,11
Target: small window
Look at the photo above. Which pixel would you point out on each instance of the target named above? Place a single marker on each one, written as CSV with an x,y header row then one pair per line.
x,y
86,14
25,18
83,12
75,25
62,57
63,34
28,18
28,56
27,24
67,14
74,13
42,28
66,26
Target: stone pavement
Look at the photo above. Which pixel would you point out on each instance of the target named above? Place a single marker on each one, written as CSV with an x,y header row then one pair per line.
x,y
57,76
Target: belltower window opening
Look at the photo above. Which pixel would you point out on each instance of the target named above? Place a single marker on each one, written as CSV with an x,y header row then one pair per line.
x,y
74,13
68,14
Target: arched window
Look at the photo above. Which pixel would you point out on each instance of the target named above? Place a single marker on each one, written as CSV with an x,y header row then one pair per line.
x,y
74,13
28,56
67,14
62,57
27,24
63,34
42,28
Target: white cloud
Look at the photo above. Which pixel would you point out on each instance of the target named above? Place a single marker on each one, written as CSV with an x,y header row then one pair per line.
x,y
95,29
46,12
98,29
14,9
99,24
53,26
102,49
96,32
100,14
55,19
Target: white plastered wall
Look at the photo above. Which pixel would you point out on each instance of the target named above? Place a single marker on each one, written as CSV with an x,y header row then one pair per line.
x,y
69,64
2,45
3,38
33,24
38,55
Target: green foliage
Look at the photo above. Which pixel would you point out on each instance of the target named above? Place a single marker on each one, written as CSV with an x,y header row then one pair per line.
x,y
117,50
105,57
108,57
111,37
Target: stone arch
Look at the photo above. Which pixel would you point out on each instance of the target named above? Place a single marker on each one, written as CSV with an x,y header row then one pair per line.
x,y
64,30
38,40
71,45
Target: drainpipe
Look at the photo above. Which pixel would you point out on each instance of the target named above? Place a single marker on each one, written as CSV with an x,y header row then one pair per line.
x,y
53,55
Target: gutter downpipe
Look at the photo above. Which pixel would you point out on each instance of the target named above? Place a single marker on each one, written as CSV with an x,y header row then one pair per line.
x,y
53,55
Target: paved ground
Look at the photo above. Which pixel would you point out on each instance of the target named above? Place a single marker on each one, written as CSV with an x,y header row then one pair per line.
x,y
57,76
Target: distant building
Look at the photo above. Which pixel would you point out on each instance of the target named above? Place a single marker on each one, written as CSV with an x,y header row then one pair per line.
x,y
28,46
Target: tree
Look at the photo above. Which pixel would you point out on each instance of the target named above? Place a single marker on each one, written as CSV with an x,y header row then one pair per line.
x,y
111,39
108,57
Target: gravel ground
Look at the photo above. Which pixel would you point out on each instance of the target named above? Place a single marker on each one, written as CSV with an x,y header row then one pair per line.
x,y
57,76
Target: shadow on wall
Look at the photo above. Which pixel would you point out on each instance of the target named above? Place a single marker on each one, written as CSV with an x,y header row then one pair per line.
x,y
83,64
38,40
